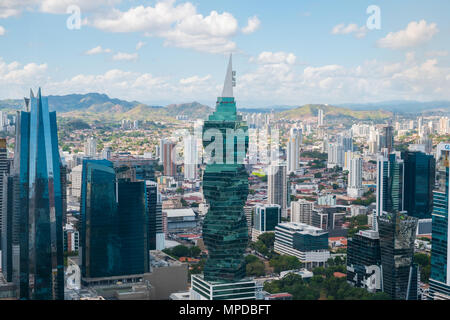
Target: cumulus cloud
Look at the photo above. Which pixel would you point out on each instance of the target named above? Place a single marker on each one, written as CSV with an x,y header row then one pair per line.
x,y
268,57
415,34
97,50
2,31
352,28
179,24
123,56
194,80
10,8
252,25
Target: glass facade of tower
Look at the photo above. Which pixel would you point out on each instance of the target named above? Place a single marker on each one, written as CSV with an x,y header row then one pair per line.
x,y
133,228
267,217
225,187
98,207
419,184
37,219
364,260
440,274
114,232
397,233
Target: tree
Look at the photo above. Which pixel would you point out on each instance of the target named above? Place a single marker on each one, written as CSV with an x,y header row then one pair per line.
x,y
284,262
268,238
194,251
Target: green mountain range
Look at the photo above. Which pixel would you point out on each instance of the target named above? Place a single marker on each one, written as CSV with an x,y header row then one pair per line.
x,y
332,111
99,107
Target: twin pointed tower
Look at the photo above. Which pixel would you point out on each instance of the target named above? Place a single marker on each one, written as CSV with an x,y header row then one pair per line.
x,y
225,187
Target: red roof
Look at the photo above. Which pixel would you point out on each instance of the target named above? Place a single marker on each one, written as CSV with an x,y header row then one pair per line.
x,y
339,275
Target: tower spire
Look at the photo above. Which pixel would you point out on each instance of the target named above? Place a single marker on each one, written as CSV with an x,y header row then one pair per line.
x,y
229,81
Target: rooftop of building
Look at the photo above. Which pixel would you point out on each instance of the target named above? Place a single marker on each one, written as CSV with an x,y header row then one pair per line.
x,y
160,259
173,213
300,228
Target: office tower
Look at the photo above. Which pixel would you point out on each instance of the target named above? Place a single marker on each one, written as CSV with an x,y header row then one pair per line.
x,y
364,260
330,219
440,256
225,188
301,211
320,117
355,188
346,141
277,192
293,150
419,179
309,244
336,155
168,158
8,228
133,228
98,209
63,174
397,233
266,218
4,171
38,264
190,158
386,138
114,220
249,210
390,176
90,147
106,153
155,218
75,177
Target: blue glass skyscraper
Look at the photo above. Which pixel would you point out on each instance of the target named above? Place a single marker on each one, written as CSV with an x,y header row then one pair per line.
x,y
37,218
440,255
114,226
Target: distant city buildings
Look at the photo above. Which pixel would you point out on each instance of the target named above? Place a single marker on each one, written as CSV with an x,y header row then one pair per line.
x,y
277,191
355,188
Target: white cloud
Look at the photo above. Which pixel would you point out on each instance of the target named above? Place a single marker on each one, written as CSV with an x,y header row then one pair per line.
x,y
97,50
415,34
10,8
252,25
2,31
180,25
359,32
140,44
60,6
120,56
194,80
267,57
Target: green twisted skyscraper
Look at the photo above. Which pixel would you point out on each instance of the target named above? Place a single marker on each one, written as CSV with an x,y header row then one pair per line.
x,y
225,187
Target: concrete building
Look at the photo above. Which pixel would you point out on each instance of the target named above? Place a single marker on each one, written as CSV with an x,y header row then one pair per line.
x,y
180,220
190,158
355,188
293,150
309,244
301,211
277,191
90,147
76,181
201,289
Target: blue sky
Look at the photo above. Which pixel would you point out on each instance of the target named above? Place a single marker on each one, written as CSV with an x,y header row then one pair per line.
x,y
285,52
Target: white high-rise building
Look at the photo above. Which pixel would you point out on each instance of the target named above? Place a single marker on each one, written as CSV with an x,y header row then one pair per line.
x,y
277,192
190,158
301,211
75,176
355,188
320,117
293,150
90,148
